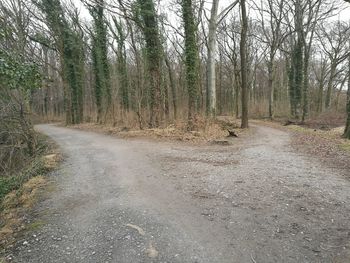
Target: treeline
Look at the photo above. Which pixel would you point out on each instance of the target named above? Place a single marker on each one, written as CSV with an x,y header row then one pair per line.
x,y
149,63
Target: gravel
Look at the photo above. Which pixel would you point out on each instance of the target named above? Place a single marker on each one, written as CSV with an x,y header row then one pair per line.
x,y
255,200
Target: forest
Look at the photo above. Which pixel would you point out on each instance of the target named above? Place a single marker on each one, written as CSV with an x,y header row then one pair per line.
x,y
174,131
146,64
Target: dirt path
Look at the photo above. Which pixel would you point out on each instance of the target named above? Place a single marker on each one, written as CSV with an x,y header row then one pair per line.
x,y
140,201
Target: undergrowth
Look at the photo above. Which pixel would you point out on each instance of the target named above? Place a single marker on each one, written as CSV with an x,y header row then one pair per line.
x,y
33,167
20,190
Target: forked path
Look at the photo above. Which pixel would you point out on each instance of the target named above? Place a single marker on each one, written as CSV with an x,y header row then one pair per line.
x,y
120,200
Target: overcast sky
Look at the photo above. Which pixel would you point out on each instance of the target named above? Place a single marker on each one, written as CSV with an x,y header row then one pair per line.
x,y
343,15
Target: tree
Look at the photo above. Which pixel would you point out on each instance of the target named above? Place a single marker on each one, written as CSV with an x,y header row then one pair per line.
x,y
320,68
306,15
172,84
20,75
211,78
273,36
68,43
100,58
307,38
244,69
231,39
154,53
214,21
191,60
334,42
120,36
347,125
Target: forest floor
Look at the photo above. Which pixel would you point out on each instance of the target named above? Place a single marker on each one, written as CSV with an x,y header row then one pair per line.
x,y
258,199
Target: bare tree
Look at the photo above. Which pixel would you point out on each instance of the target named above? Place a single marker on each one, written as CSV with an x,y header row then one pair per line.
x,y
334,42
273,36
347,125
244,69
214,21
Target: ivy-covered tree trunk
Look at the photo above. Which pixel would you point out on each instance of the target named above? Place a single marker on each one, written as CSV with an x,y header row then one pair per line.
x,y
347,125
74,72
97,79
296,66
154,58
296,78
191,60
70,47
100,60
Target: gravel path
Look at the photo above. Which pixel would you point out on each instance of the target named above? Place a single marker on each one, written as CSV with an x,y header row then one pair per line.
x,y
257,200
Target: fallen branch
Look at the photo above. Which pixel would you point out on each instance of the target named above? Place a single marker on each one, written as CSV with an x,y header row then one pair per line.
x,y
232,133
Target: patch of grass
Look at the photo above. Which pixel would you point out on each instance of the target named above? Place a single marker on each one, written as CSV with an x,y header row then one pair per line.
x,y
345,146
35,225
298,128
11,183
7,184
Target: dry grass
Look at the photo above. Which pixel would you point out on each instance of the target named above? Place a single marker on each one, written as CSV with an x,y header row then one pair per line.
x,y
205,130
51,160
326,121
19,202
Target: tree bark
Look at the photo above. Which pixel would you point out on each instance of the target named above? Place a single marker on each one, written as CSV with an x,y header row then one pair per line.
x,y
305,86
154,54
244,73
347,125
172,86
212,46
191,61
272,88
330,86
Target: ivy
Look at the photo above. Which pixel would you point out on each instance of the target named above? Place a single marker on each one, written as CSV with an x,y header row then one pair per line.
x,y
15,73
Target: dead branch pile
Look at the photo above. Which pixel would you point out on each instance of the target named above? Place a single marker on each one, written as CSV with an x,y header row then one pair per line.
x,y
17,137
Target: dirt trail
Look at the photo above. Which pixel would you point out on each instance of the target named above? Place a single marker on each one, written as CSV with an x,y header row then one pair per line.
x,y
142,201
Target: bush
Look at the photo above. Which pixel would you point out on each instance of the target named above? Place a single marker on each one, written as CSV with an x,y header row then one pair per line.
x,y
18,141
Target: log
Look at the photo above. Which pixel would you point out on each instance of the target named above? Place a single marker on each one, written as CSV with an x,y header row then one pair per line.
x,y
231,133
289,122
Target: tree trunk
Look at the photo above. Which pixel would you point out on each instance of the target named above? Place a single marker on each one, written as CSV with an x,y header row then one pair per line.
x,y
305,87
272,88
212,46
191,60
244,72
154,54
347,125
339,92
172,86
320,88
330,86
